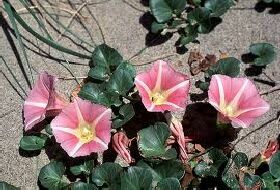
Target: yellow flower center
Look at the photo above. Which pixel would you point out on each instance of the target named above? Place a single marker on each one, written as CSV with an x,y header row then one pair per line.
x,y
158,98
229,110
85,132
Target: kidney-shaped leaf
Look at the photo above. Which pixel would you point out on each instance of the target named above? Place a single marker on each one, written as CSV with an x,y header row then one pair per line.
x,y
274,165
30,143
265,53
107,173
151,140
169,184
5,186
84,168
126,113
229,66
83,186
218,7
163,9
268,180
51,176
136,178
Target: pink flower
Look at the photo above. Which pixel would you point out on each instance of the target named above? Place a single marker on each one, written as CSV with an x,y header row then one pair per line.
x,y
162,88
82,128
120,144
237,100
42,101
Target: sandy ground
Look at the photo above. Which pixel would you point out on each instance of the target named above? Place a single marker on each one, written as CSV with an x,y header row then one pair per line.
x,y
122,28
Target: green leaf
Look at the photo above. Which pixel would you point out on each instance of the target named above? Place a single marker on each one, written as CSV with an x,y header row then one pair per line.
x,y
107,173
204,86
169,184
204,169
228,66
83,186
122,79
98,94
196,2
31,143
274,165
236,162
84,168
268,180
136,178
218,7
5,186
165,169
98,72
163,10
51,176
107,57
200,16
191,33
126,113
251,181
151,141
157,27
265,53
241,160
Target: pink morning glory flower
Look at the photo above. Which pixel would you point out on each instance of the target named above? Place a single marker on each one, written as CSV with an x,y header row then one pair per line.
x,y
236,99
162,88
42,101
82,128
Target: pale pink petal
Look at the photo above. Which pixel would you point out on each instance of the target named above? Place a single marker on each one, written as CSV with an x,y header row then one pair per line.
x,y
163,79
120,144
42,99
78,116
237,99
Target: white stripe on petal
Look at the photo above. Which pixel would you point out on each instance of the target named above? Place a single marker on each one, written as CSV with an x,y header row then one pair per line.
x,y
34,119
78,111
239,94
36,104
221,90
174,105
76,148
95,122
141,83
252,109
151,107
99,141
64,129
159,76
176,87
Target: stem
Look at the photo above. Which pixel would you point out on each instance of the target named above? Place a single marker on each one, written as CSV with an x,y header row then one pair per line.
x,y
273,89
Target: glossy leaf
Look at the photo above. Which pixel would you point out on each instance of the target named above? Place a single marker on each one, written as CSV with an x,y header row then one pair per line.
x,y
157,27
83,186
5,186
162,10
84,168
107,174
240,159
107,57
122,79
251,181
274,165
51,176
218,7
126,113
191,33
169,184
269,183
31,143
98,94
200,16
99,73
265,53
151,140
165,169
136,178
228,66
